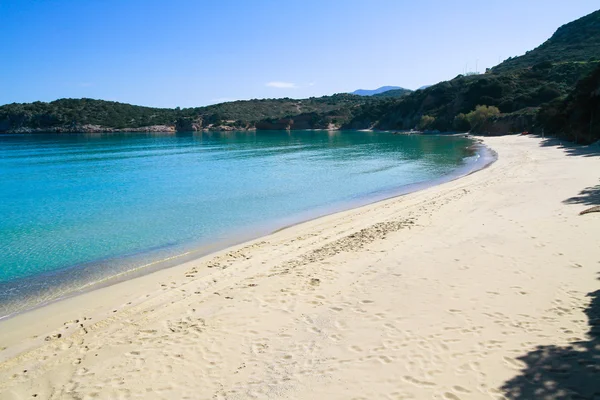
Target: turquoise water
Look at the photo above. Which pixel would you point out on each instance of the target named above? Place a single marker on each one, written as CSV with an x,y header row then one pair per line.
x,y
83,207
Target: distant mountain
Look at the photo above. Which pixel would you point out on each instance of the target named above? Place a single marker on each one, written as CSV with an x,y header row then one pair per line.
x,y
393,93
424,87
366,92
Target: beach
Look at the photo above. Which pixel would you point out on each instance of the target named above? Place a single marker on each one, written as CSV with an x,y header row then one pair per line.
x,y
482,287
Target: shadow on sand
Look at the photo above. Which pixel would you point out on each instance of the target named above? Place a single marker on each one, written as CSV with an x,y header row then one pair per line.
x,y
589,196
569,372
572,149
572,371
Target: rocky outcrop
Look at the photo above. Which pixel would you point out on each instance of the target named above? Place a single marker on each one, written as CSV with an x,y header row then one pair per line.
x,y
279,124
152,128
188,125
299,122
93,129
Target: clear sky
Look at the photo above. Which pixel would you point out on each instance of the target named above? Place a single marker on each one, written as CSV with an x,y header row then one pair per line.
x,y
190,53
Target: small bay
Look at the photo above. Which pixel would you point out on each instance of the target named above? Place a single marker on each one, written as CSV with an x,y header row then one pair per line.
x,y
76,209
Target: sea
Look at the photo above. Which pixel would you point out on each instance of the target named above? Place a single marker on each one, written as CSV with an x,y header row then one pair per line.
x,y
78,211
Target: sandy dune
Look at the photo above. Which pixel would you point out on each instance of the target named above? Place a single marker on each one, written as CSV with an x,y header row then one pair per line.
x,y
477,288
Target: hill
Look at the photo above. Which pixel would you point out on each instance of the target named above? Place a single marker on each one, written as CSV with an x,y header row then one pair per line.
x,y
64,114
577,41
89,115
379,91
516,88
510,93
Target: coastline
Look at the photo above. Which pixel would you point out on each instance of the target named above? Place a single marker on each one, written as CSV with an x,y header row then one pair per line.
x,y
58,285
402,297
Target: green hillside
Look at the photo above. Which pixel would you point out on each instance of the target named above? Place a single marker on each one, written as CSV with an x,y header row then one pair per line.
x,y
68,112
517,88
577,41
510,92
68,115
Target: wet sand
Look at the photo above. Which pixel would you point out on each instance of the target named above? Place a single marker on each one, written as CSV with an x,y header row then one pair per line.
x,y
455,292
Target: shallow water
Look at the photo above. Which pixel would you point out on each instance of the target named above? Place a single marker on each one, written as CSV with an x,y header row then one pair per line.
x,y
80,208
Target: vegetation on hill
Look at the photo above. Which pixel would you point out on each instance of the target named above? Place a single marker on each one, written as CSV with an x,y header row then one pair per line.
x,y
73,114
252,111
576,118
66,112
577,41
517,88
510,92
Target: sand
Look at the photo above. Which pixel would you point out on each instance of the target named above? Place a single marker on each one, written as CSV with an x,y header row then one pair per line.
x,y
477,288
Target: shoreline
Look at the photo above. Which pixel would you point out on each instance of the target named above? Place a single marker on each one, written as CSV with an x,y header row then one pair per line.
x,y
148,265
442,292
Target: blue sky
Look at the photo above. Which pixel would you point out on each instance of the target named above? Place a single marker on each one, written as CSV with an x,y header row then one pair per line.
x,y
190,53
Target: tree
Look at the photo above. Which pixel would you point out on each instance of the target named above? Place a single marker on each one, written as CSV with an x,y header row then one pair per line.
x,y
461,123
482,114
426,122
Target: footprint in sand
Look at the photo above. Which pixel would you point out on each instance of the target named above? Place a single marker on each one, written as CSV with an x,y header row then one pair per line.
x,y
417,382
461,389
385,359
451,396
53,337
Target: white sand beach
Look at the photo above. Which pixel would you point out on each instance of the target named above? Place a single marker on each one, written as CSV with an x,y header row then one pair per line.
x,y
445,293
